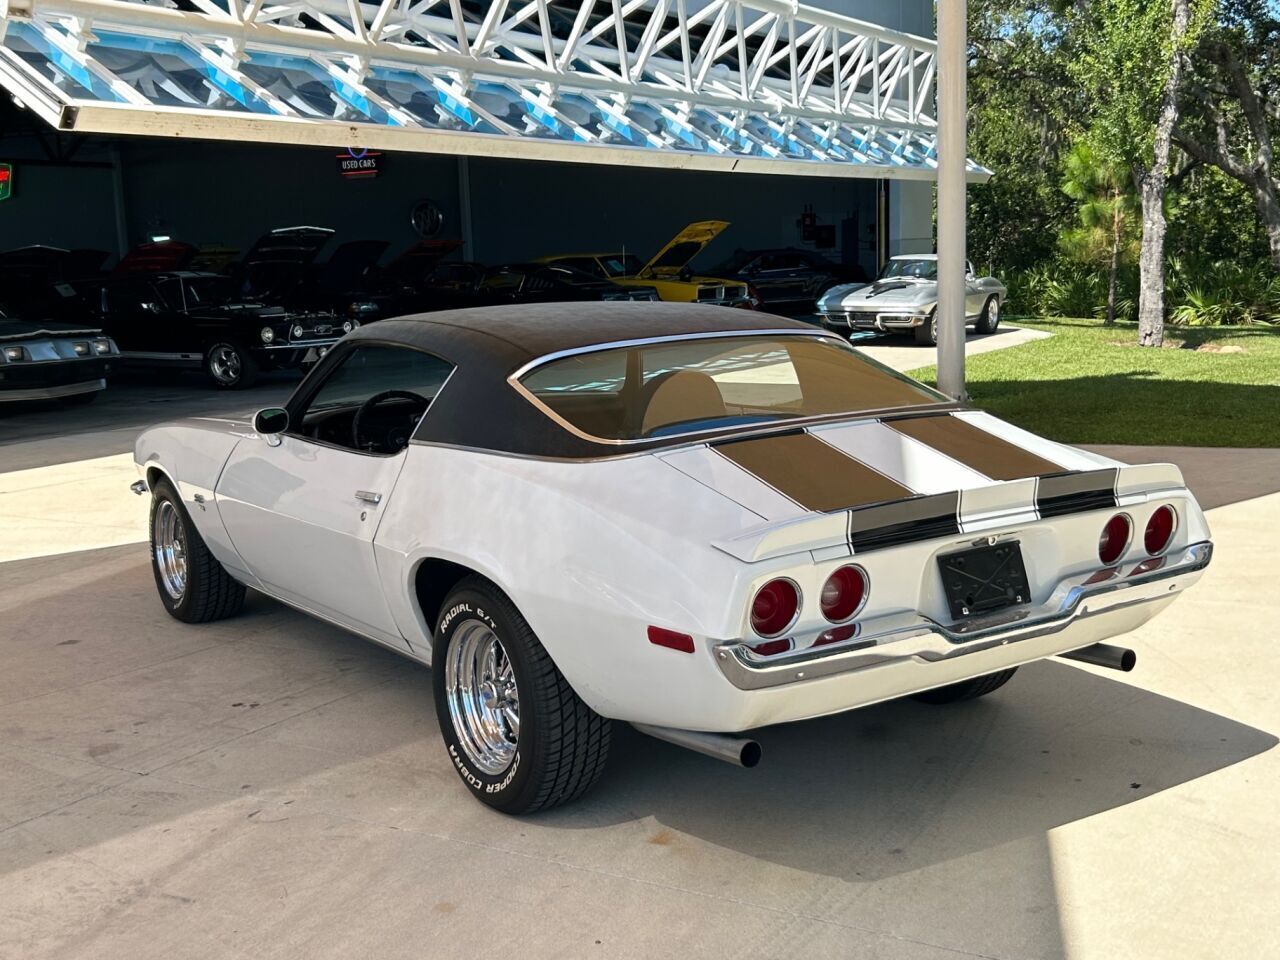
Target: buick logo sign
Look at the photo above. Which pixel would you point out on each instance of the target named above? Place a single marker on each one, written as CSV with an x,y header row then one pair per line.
x,y
426,218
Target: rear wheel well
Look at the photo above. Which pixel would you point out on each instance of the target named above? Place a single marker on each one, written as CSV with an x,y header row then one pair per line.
x,y
154,476
432,583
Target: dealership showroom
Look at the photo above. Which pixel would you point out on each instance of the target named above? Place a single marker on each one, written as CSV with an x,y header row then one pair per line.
x,y
317,626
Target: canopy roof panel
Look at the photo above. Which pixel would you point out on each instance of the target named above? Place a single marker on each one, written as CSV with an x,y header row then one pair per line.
x,y
748,85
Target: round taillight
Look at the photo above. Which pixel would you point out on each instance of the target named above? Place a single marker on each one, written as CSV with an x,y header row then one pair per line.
x,y
775,607
844,593
1160,530
1115,538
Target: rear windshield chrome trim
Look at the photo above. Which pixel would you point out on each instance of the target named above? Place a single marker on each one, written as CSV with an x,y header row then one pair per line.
x,y
701,436
532,365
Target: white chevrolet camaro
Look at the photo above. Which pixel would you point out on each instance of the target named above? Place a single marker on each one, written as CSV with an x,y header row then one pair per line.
x,y
694,519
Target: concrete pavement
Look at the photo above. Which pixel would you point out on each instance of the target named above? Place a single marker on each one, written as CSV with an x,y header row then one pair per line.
x,y
272,787
901,353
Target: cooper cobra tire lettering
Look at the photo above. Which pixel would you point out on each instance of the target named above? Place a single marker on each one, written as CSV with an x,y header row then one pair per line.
x,y
560,745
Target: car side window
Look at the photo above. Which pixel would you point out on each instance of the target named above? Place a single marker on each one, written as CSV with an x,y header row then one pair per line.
x,y
372,401
132,296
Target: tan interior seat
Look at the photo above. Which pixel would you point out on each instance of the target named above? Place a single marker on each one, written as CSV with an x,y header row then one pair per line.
x,y
680,396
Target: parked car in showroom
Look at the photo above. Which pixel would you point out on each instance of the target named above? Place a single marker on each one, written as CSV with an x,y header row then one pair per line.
x,y
788,276
668,271
188,319
417,280
550,282
43,360
700,521
904,298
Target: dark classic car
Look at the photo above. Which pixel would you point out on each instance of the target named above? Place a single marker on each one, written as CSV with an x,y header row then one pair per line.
x,y
419,280
787,276
549,283
194,319
42,360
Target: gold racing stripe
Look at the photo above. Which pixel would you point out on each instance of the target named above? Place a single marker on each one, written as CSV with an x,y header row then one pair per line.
x,y
812,472
974,447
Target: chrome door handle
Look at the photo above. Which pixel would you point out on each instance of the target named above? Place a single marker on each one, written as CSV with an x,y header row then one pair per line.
x,y
369,497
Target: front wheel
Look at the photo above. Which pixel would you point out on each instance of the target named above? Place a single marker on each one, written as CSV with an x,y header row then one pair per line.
x,y
516,733
966,689
989,319
927,333
193,585
230,365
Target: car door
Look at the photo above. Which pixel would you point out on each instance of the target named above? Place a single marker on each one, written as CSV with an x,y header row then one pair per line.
x,y
137,318
302,507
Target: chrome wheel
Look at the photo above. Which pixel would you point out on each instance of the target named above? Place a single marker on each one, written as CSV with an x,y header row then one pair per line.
x,y
484,703
224,363
169,544
993,315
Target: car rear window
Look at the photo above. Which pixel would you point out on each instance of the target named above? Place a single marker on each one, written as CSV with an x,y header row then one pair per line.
x,y
650,390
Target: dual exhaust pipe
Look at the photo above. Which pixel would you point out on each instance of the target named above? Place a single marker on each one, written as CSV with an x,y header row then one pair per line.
x,y
745,752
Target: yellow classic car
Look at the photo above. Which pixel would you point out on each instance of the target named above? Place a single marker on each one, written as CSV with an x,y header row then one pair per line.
x,y
668,271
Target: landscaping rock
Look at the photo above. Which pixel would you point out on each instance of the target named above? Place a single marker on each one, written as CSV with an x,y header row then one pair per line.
x,y
1219,348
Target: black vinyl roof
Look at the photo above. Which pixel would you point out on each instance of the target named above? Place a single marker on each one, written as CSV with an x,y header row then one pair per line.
x,y
479,408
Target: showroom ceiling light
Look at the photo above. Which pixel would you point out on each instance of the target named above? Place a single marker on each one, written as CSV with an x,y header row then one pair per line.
x,y
746,85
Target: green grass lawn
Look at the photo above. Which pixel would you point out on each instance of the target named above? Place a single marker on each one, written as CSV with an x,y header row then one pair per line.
x,y
1090,384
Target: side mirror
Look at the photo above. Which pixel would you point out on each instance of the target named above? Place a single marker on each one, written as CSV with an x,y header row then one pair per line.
x,y
271,420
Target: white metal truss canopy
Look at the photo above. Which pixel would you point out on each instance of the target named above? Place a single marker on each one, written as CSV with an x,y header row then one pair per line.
x,y
750,85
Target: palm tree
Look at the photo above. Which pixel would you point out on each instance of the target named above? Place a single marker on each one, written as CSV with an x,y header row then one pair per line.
x,y
1108,210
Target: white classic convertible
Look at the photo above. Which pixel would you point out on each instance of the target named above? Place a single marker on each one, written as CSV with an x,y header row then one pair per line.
x,y
695,519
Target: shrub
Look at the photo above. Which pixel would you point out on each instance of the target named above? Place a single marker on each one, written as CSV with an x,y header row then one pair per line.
x,y
1222,292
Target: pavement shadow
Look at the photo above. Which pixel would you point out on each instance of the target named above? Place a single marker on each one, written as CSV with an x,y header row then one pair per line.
x,y
901,786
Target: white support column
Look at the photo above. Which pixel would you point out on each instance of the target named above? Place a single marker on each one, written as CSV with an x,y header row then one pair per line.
x,y
952,99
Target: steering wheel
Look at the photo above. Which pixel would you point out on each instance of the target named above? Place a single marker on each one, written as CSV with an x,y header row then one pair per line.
x,y
368,405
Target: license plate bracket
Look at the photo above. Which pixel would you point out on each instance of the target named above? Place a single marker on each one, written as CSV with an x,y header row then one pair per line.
x,y
984,579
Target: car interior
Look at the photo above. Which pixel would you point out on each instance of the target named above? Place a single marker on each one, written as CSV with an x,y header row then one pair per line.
x,y
372,401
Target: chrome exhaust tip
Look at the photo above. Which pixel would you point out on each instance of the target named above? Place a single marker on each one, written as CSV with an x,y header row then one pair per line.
x,y
1104,655
739,751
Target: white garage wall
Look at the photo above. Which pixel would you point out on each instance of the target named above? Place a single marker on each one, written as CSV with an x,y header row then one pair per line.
x,y
910,217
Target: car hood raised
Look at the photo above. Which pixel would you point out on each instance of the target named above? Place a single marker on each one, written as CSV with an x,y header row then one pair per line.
x,y
682,248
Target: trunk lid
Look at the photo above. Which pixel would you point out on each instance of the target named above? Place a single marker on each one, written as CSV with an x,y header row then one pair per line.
x,y
859,484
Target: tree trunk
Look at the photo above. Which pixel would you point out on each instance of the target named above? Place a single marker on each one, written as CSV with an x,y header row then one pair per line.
x,y
1152,184
1269,209
1151,261
1115,262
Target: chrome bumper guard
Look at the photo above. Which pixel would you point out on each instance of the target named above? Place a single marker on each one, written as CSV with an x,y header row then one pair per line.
x,y
867,320
914,636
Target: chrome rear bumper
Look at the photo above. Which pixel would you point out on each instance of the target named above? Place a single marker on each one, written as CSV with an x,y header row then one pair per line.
x,y
916,637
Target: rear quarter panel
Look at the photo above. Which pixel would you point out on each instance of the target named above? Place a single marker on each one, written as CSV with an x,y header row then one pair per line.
x,y
591,552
